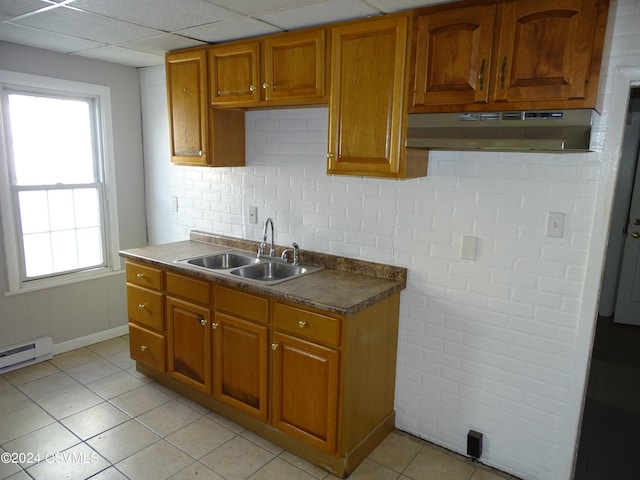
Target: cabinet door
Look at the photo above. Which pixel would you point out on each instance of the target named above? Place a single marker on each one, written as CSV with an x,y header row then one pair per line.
x,y
240,364
187,99
234,74
295,66
453,56
305,390
189,344
544,50
367,101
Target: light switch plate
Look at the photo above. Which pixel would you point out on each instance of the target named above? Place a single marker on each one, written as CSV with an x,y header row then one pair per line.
x,y
469,247
253,214
555,224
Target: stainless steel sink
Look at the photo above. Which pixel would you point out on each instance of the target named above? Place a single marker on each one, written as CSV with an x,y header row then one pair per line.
x,y
223,260
269,271
242,265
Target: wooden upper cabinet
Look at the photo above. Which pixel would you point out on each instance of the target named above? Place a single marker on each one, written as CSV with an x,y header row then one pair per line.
x,y
544,51
508,55
187,101
283,69
295,66
453,55
367,106
200,135
234,73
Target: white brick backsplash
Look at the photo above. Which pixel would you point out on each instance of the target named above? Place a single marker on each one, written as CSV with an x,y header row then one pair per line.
x,y
488,344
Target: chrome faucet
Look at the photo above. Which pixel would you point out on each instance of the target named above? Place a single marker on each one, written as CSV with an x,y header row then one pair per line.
x,y
263,244
296,254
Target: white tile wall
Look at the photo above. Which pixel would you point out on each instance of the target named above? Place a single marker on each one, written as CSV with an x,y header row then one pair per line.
x,y
488,345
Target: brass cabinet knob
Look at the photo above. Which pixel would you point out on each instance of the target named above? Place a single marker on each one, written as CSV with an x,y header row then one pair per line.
x,y
302,324
203,322
141,306
274,346
330,155
214,325
635,235
143,348
201,153
140,275
252,88
265,85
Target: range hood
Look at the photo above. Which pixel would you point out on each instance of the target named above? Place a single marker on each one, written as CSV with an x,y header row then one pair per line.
x,y
558,131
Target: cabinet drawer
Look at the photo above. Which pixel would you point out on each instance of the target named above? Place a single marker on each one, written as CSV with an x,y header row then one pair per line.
x,y
187,288
242,304
145,307
306,324
147,347
144,276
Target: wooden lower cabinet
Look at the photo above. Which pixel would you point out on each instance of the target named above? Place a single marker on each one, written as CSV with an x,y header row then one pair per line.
x,y
189,343
240,364
147,347
299,377
305,390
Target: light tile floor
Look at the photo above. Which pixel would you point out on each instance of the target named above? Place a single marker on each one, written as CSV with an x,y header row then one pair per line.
x,y
88,414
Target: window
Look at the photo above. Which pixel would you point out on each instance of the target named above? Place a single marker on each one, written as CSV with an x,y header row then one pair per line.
x,y
56,221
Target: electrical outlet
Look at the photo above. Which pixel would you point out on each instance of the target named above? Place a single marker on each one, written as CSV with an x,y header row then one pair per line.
x,y
474,444
555,224
253,214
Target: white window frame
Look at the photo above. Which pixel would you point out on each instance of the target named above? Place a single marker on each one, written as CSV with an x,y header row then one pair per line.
x,y
8,209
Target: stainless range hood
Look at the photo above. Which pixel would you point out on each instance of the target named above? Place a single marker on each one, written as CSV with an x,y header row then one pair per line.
x,y
558,131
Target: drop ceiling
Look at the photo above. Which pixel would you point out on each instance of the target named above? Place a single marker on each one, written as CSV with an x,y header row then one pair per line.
x,y
138,32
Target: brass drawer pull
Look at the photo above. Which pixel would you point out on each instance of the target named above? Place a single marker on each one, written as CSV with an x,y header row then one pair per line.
x,y
302,324
143,348
140,275
274,346
141,306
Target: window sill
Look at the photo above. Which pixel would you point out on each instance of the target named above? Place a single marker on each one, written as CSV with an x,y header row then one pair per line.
x,y
44,284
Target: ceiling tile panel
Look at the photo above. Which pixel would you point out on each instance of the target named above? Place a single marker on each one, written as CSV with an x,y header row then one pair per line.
x,y
166,15
319,13
253,7
13,8
10,32
229,30
85,25
123,56
161,44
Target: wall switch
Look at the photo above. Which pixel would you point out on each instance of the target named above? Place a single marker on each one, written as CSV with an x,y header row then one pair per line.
x,y
253,214
469,247
555,224
174,204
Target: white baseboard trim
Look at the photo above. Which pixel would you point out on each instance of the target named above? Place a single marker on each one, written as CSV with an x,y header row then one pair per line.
x,y
90,339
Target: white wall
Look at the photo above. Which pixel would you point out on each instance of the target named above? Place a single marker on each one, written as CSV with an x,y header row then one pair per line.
x,y
499,345
94,308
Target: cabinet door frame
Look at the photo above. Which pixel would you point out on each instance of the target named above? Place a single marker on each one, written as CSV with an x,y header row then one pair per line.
x,y
345,153
572,83
188,104
286,394
249,89
193,313
314,90
252,331
474,21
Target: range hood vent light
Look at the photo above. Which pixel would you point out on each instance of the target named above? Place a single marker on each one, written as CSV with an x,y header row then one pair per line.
x,y
558,131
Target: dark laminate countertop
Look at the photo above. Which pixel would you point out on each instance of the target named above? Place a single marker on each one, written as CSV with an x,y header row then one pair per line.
x,y
345,286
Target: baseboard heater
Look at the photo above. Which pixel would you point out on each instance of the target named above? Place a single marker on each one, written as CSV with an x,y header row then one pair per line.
x,y
28,353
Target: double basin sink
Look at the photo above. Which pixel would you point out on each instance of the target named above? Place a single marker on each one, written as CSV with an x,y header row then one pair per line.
x,y
242,265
